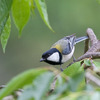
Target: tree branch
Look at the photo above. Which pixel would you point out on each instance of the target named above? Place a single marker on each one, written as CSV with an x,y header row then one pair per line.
x,y
93,51
92,77
92,55
92,36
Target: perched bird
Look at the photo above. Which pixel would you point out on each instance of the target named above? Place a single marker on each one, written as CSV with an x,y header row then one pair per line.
x,y
62,50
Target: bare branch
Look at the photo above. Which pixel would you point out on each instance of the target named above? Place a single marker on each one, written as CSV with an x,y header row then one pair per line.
x,y
92,77
53,85
94,51
93,55
2,86
95,47
10,97
92,36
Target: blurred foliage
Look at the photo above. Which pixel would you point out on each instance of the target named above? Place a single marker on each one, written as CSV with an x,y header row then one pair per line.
x,y
43,11
5,34
37,84
21,13
67,17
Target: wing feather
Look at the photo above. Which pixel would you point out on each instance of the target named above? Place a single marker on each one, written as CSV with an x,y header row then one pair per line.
x,y
65,45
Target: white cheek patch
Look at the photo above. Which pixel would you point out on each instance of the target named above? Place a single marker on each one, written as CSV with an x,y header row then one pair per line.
x,y
54,57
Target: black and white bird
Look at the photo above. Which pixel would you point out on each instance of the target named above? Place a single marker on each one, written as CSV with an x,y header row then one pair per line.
x,y
62,50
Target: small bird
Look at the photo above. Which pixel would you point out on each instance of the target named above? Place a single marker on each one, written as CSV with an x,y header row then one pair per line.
x,y
62,50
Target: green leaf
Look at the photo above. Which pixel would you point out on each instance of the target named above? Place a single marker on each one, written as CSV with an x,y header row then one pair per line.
x,y
53,97
95,96
2,24
21,13
39,88
61,88
5,33
5,6
97,64
73,69
82,95
75,81
41,5
76,74
19,81
32,6
87,62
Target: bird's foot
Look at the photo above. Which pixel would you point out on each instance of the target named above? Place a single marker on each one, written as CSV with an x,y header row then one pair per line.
x,y
74,59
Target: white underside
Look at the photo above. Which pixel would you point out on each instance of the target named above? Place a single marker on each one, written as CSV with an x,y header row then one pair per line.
x,y
67,57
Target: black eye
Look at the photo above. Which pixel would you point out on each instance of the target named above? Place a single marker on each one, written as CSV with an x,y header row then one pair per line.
x,y
46,55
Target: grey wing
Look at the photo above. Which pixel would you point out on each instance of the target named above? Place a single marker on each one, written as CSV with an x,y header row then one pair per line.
x,y
69,45
67,50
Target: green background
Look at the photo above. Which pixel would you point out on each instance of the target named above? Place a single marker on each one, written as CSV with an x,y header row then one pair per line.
x,y
66,17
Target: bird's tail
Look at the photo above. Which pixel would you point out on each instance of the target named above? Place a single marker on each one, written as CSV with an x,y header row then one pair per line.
x,y
77,40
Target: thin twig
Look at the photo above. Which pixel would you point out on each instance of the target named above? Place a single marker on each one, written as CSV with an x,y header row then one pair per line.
x,y
53,85
2,86
10,97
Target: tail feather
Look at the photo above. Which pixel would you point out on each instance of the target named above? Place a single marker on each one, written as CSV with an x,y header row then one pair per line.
x,y
77,40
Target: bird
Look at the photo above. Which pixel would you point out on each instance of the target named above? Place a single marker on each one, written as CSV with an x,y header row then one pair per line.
x,y
62,51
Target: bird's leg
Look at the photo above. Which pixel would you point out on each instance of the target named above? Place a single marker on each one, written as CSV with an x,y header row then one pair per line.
x,y
61,68
74,59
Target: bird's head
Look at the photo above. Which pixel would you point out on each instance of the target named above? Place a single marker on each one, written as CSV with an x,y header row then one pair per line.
x,y
52,56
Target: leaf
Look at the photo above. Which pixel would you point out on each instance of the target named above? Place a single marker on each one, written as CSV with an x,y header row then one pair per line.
x,y
95,96
2,24
5,6
76,74
5,33
87,62
82,95
21,13
75,81
53,97
19,81
61,87
41,6
32,6
97,64
39,88
73,69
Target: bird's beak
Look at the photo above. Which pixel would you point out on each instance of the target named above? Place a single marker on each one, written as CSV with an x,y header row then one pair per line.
x,y
42,59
